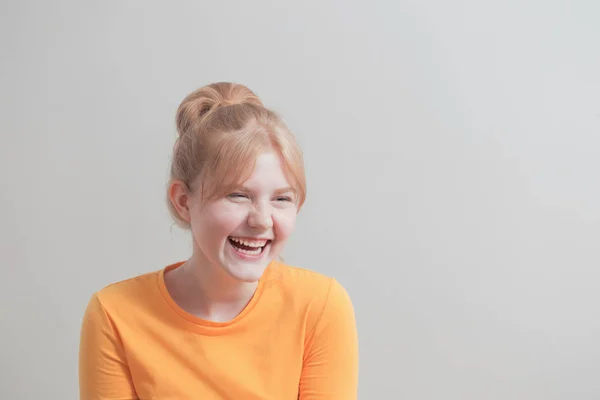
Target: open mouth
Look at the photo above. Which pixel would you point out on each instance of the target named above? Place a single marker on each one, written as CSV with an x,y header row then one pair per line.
x,y
249,247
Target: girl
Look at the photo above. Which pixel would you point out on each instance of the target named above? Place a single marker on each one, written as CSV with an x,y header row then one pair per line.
x,y
232,321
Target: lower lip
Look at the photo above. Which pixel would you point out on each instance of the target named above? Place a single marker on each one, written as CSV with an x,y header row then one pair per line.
x,y
245,256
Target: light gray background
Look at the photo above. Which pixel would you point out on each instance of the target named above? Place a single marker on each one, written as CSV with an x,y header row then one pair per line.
x,y
452,148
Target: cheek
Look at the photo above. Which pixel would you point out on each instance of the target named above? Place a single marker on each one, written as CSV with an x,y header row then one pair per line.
x,y
284,222
229,217
215,222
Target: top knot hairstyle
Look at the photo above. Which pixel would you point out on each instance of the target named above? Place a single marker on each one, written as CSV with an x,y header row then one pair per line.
x,y
223,127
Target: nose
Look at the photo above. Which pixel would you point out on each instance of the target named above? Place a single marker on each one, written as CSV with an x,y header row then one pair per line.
x,y
260,218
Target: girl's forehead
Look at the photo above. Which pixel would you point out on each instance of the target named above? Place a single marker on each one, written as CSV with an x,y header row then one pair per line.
x,y
265,173
267,166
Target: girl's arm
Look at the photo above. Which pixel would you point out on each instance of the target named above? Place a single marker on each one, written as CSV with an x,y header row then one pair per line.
x,y
103,370
330,367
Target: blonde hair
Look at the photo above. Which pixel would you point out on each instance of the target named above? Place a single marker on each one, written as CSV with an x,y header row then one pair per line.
x,y
223,127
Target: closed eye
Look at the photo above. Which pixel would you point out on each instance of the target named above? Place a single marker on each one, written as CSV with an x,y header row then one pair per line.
x,y
284,198
237,196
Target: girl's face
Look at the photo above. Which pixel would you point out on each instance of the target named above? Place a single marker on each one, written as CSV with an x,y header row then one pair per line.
x,y
241,232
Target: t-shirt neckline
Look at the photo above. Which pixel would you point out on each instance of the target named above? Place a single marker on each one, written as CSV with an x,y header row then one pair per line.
x,y
201,322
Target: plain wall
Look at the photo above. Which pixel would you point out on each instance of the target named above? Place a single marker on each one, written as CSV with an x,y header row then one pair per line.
x,y
452,153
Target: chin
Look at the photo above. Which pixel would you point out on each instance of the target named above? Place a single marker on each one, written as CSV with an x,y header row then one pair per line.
x,y
248,273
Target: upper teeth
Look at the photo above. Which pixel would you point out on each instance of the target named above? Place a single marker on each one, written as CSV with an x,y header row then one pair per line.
x,y
250,243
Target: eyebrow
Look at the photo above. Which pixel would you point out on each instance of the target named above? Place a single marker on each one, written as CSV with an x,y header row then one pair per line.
x,y
277,191
285,190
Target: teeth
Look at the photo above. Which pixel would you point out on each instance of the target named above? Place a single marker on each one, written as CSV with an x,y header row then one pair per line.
x,y
250,252
250,243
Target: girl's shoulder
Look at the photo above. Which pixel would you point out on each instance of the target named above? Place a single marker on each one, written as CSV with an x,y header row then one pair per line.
x,y
306,287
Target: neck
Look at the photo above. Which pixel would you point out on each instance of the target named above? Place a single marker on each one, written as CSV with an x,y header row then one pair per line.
x,y
211,293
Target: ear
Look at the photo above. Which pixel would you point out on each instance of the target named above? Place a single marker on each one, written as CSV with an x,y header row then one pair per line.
x,y
179,196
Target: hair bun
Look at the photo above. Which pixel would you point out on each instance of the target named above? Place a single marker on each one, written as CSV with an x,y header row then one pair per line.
x,y
204,101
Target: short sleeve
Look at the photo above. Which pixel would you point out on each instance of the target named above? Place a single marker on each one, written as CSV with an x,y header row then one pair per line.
x,y
330,365
103,369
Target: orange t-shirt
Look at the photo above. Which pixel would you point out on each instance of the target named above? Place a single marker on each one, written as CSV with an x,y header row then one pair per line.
x,y
296,339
